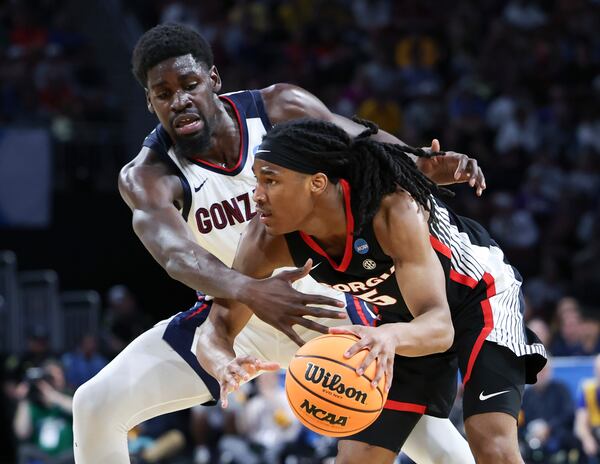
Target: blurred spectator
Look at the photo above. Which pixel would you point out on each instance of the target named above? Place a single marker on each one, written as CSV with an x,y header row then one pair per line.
x,y
159,440
36,353
123,320
267,420
520,132
547,419
544,290
567,339
524,14
382,111
266,425
209,424
590,333
84,362
513,228
587,416
541,329
43,421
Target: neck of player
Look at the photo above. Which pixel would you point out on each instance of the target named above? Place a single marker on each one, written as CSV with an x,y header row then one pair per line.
x,y
226,138
327,223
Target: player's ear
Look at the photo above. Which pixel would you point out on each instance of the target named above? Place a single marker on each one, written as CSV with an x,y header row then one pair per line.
x,y
148,102
215,79
318,183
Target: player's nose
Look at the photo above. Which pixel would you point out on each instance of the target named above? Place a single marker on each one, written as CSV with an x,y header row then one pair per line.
x,y
258,196
181,101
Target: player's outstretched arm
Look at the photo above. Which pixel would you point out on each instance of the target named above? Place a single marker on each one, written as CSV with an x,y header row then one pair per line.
x,y
286,101
152,193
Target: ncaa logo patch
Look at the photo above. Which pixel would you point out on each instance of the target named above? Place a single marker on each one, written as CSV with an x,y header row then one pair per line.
x,y
361,246
369,264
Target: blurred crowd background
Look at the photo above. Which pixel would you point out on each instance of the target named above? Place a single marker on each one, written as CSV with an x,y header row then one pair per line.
x,y
513,83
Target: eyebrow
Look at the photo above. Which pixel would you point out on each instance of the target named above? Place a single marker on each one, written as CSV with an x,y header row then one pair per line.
x,y
268,170
158,84
180,78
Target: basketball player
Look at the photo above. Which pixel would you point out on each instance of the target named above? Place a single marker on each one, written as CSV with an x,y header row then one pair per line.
x,y
375,227
190,191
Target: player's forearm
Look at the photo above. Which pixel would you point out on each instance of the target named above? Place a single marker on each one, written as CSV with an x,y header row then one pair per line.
x,y
424,335
215,348
202,271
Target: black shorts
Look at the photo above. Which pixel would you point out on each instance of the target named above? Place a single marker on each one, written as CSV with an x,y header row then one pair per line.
x,y
496,382
420,386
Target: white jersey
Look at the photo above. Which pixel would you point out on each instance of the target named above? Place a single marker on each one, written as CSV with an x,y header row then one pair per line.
x,y
218,201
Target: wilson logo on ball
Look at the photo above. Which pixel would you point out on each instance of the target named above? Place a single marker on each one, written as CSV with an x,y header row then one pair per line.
x,y
322,415
317,374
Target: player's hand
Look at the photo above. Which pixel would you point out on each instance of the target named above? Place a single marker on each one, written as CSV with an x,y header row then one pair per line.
x,y
238,371
452,168
276,302
380,341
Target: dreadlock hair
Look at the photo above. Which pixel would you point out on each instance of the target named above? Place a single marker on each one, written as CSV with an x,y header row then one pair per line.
x,y
167,41
373,169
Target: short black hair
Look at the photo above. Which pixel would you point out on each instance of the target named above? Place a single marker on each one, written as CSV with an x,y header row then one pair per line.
x,y
167,41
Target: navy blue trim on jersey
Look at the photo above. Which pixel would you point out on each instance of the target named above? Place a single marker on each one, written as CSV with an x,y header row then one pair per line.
x,y
180,333
360,312
260,108
159,141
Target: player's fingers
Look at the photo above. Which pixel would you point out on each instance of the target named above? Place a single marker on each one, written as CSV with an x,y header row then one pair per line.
x,y
366,362
308,299
245,359
480,182
461,168
267,366
346,329
227,386
223,396
389,373
236,373
296,274
358,346
435,145
312,325
292,335
472,169
381,368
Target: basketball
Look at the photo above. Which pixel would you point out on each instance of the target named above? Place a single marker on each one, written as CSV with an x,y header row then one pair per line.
x,y
326,393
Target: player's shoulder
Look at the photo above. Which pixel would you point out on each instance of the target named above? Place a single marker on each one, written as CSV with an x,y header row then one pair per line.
x,y
399,219
284,102
259,252
146,173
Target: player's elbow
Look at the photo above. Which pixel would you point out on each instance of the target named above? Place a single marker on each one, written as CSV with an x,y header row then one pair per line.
x,y
172,265
442,336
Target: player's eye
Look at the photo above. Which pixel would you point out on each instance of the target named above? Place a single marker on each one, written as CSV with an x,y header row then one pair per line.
x,y
191,86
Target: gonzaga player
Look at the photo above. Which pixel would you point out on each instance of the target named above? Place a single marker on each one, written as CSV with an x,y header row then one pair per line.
x,y
190,192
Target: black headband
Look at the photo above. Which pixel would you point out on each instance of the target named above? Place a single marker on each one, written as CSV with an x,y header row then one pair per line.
x,y
278,154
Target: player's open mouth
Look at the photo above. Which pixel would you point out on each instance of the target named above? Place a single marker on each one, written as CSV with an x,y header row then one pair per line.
x,y
186,124
264,216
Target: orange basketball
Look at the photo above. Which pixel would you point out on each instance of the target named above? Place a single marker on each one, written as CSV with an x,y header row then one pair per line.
x,y
326,393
